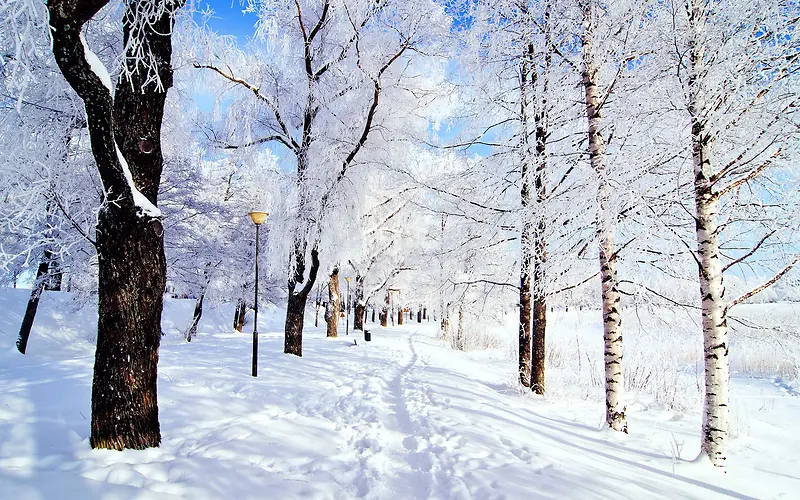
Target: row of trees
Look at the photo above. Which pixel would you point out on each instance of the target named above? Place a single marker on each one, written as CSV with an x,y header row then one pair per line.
x,y
477,156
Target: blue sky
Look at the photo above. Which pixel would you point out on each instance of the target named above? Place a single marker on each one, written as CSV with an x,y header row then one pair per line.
x,y
229,18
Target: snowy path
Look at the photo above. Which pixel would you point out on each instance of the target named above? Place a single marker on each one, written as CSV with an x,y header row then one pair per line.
x,y
400,417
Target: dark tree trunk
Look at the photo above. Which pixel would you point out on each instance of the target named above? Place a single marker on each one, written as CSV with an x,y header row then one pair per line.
x,y
425,313
239,315
419,315
124,404
296,304
125,136
360,309
198,313
334,304
33,304
358,317
399,316
373,314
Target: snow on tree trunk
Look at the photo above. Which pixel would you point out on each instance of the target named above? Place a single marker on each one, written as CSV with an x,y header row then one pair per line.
x,y
612,320
334,304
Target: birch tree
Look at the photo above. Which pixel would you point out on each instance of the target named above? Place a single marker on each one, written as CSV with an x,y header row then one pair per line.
x,y
737,64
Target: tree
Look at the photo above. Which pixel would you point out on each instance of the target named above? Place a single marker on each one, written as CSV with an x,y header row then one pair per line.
x,y
736,63
334,304
125,131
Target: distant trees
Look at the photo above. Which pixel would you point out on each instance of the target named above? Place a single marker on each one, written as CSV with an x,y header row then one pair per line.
x,y
337,62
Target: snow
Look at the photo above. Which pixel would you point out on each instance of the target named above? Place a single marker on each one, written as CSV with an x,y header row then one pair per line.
x,y
139,199
400,417
96,65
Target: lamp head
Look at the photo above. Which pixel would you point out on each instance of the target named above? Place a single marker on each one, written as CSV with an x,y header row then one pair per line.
x,y
258,217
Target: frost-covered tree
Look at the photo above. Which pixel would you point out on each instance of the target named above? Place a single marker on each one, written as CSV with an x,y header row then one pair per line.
x,y
124,123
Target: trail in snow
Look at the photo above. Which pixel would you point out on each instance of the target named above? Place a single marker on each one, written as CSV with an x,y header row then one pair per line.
x,y
402,417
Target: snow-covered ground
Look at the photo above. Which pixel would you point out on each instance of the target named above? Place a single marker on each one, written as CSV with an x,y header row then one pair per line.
x,y
400,417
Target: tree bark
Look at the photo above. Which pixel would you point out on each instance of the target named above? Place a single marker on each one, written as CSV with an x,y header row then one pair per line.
x,y
198,313
526,233
539,286
384,316
716,418
33,303
334,304
359,312
612,320
125,136
239,315
399,315
296,304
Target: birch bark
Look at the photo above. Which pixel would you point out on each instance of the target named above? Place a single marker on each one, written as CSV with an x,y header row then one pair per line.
x,y
612,320
712,290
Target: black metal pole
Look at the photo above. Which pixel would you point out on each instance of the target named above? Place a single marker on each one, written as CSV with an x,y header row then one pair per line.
x,y
255,316
347,316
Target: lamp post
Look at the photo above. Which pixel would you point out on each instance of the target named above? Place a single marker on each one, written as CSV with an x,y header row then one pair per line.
x,y
258,218
347,309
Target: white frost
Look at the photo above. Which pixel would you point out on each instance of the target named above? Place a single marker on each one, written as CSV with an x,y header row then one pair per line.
x,y
97,66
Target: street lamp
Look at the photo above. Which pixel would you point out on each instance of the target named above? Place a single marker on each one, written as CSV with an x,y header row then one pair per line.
x,y
258,218
347,309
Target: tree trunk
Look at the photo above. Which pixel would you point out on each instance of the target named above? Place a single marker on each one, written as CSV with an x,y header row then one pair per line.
x,y
54,274
239,315
296,304
419,315
334,304
612,320
125,136
539,285
526,265
124,405
460,342
33,303
373,314
358,318
384,316
198,313
359,311
293,328
425,313
400,316
712,290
